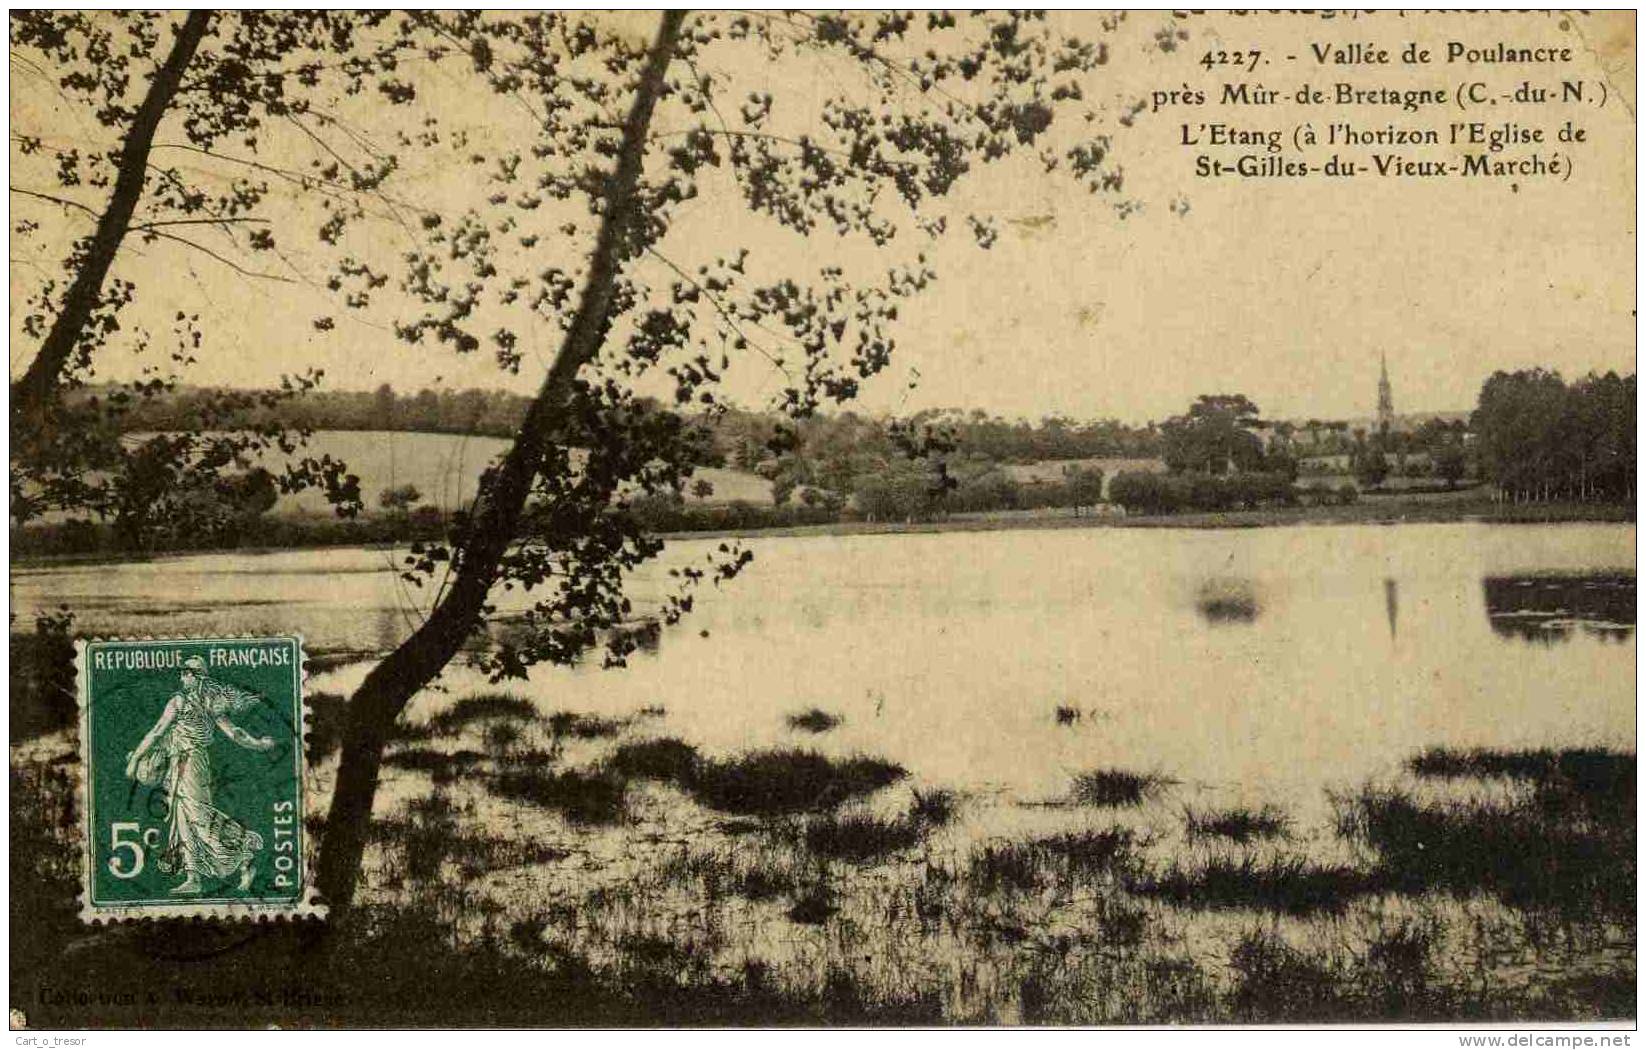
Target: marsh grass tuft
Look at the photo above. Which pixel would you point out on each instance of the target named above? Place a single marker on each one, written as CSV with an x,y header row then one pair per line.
x,y
845,996
1568,848
581,797
649,951
444,766
1530,853
1229,609
1008,866
1062,860
1398,968
1116,787
861,837
813,905
664,758
408,733
1597,781
429,837
1290,885
1394,977
41,697
1062,924
482,707
1276,982
750,875
935,807
584,727
816,720
424,839
760,882
1591,766
1240,824
788,781
501,737
760,783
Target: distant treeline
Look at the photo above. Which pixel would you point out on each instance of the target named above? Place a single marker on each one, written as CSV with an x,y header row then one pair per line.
x,y
899,490
745,437
1145,493
741,438
79,537
1538,438
493,413
1533,436
932,464
918,492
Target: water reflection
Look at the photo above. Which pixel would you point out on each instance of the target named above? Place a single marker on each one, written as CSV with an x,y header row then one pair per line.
x,y
1215,656
1226,600
1550,608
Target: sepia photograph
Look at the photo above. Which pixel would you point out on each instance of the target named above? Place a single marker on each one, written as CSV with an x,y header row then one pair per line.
x,y
830,519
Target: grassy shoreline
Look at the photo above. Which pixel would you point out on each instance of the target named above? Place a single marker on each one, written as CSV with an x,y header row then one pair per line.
x,y
1388,510
1394,509
769,888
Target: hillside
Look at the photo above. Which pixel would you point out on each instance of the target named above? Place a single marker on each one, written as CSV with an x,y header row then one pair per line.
x,y
446,467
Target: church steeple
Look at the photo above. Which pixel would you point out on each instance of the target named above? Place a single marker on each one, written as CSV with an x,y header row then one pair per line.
x,y
1385,396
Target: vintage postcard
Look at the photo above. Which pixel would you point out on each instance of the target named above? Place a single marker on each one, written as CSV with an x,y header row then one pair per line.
x,y
674,519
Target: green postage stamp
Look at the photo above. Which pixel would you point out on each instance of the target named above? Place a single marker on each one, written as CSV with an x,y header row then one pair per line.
x,y
192,754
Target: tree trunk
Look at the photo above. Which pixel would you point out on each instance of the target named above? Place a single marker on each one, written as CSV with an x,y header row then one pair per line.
x,y
373,709
32,395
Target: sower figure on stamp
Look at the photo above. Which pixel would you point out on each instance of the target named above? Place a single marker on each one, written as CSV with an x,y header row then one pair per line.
x,y
201,838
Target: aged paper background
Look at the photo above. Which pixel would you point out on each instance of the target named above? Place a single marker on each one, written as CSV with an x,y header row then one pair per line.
x,y
1272,287
1048,709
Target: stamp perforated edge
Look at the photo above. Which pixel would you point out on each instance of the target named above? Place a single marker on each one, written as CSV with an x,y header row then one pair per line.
x,y
309,907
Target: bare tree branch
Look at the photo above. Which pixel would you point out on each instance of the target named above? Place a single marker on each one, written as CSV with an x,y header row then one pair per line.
x,y
230,263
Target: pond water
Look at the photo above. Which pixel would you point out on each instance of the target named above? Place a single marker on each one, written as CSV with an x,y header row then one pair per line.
x,y
1245,664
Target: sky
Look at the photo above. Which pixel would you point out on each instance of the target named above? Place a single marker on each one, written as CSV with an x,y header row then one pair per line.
x,y
1289,291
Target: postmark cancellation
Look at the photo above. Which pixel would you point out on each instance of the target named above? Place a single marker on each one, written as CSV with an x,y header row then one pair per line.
x,y
192,799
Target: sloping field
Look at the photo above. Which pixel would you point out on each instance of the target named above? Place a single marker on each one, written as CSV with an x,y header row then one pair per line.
x,y
446,467
1052,469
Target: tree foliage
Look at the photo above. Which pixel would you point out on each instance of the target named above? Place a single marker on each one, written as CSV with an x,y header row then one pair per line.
x,y
1140,492
166,91
566,254
399,499
1217,434
1371,463
1540,438
937,98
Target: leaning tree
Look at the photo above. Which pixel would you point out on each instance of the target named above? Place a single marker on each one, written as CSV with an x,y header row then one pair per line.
x,y
140,138
857,130
640,209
